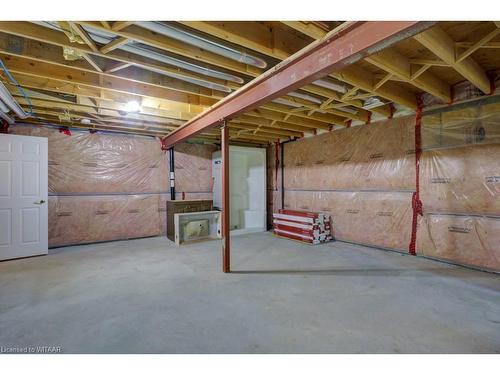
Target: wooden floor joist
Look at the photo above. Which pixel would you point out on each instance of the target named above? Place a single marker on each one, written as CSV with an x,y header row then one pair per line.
x,y
313,62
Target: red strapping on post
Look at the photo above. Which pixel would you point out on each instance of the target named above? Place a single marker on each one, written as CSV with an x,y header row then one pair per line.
x,y
416,203
369,119
163,145
65,130
348,124
5,127
392,109
276,163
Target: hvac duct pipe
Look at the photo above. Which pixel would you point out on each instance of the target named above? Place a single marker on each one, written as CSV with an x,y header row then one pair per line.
x,y
162,58
10,102
135,48
198,41
104,38
7,118
172,172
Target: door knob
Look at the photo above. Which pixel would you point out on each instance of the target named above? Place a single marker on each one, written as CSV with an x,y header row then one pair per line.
x,y
41,201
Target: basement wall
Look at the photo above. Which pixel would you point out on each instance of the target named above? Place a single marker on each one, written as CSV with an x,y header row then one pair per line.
x,y
364,177
106,187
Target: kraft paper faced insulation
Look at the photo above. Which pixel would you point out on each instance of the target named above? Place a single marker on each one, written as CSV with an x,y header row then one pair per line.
x,y
364,177
469,240
102,163
193,167
374,218
79,219
461,179
379,156
94,181
473,125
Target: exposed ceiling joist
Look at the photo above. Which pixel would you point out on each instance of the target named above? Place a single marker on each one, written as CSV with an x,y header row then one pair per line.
x,y
443,46
84,35
114,44
309,64
393,62
280,45
308,28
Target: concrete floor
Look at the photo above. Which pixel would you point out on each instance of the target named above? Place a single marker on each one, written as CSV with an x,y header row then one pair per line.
x,y
147,296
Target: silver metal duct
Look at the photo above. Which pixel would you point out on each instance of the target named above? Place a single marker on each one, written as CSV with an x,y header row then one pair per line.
x,y
103,37
330,85
6,117
3,113
305,97
206,44
141,50
9,101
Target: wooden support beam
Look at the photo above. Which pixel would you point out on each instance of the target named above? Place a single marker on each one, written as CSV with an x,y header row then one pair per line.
x,y
441,44
169,89
118,67
48,51
309,64
272,41
115,43
139,34
105,24
382,81
428,62
365,81
493,45
91,61
393,62
84,35
307,28
178,112
118,25
473,48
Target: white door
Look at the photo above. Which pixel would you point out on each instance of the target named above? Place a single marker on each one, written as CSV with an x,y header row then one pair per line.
x,y
23,196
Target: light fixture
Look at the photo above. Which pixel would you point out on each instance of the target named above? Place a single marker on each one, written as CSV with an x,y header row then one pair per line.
x,y
132,106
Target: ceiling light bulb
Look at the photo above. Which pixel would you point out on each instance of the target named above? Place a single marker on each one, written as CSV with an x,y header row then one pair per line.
x,y
132,106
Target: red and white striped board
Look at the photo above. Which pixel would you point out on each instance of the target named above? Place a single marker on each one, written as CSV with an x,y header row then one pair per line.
x,y
306,226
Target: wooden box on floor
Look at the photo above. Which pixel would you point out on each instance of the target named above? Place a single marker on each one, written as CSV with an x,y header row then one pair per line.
x,y
183,206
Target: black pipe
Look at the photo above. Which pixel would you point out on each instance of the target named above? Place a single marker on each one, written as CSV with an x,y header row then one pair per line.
x,y
172,173
282,163
282,175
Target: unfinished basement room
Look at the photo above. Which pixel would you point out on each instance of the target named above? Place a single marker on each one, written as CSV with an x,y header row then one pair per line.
x,y
249,187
